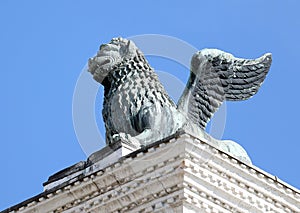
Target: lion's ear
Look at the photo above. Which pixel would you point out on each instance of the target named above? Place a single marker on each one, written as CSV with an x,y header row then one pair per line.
x,y
131,47
128,44
129,50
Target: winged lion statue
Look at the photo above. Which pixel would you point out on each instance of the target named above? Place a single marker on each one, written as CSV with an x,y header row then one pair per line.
x,y
137,108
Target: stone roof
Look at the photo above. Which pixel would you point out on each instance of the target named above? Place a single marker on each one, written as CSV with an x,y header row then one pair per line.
x,y
179,172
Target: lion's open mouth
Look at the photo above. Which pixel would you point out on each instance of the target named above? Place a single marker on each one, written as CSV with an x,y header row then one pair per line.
x,y
97,62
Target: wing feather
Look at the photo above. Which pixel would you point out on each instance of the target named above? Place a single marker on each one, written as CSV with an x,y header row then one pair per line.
x,y
217,76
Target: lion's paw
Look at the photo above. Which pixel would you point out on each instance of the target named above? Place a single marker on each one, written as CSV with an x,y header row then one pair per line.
x,y
124,137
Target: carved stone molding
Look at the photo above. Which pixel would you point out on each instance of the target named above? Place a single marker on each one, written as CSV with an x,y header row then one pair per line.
x,y
179,174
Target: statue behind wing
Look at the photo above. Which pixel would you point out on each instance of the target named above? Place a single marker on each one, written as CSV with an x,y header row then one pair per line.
x,y
138,110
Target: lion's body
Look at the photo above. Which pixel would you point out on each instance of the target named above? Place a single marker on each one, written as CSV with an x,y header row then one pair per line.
x,y
135,101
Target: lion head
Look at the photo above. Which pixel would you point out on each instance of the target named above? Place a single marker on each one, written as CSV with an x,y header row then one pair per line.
x,y
110,56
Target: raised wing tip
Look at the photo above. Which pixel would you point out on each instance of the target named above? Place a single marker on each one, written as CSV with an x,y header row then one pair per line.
x,y
266,59
268,56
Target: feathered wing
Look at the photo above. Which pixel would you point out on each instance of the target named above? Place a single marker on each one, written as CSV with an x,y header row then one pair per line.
x,y
217,76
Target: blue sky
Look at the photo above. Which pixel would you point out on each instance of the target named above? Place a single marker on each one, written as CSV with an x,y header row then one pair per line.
x,y
45,45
